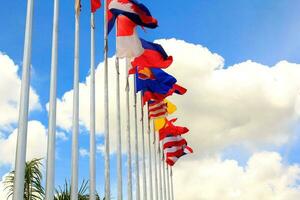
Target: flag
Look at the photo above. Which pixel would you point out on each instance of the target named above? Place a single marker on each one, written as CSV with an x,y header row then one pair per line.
x,y
171,129
171,108
95,4
154,56
135,11
77,7
171,158
159,123
157,109
128,43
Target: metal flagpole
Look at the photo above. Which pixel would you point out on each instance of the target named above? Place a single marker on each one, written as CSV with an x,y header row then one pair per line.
x,y
172,186
92,115
137,171
159,168
168,182
164,176
119,150
106,108
150,155
143,152
129,163
156,184
75,121
23,110
50,170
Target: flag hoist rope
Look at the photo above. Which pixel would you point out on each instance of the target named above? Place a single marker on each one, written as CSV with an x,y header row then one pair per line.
x,y
106,107
128,135
150,154
155,152
143,152
23,109
50,166
137,171
92,115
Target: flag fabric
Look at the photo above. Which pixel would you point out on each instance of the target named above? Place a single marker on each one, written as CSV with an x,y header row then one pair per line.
x,y
159,123
128,43
153,56
171,158
95,4
171,129
132,9
157,109
171,107
77,7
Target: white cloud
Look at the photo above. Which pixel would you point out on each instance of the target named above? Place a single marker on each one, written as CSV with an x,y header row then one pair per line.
x,y
10,85
248,103
61,135
83,152
3,193
264,177
36,144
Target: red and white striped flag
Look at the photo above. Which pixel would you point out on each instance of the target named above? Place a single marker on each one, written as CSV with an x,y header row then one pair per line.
x,y
157,109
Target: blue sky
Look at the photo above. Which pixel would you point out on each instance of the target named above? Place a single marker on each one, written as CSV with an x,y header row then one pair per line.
x,y
263,31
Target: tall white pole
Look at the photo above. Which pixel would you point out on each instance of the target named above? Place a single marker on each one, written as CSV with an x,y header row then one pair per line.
x,y
137,171
119,147
50,170
23,110
168,182
128,135
156,183
172,186
75,122
106,106
164,175
92,115
159,168
143,152
150,155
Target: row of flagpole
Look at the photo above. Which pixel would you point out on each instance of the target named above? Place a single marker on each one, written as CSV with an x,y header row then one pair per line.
x,y
159,181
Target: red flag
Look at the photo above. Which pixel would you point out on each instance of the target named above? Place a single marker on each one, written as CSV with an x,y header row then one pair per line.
x,y
95,4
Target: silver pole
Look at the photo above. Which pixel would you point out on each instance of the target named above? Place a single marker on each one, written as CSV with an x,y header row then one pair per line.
x,y
172,186
92,115
119,150
74,166
129,163
150,156
159,168
50,170
106,107
156,183
168,182
23,110
164,175
137,171
143,152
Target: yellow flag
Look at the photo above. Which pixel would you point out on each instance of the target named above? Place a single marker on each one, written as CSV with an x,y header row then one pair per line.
x,y
170,107
159,123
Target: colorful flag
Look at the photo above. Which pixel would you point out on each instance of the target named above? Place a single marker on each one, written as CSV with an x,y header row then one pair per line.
x,y
135,11
171,129
95,4
157,109
153,56
171,108
171,158
77,7
128,43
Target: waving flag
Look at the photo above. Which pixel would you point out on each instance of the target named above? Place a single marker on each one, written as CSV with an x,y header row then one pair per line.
x,y
153,56
95,4
128,43
171,129
135,11
157,109
173,154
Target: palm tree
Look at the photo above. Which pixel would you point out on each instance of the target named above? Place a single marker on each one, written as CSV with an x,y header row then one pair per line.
x,y
33,189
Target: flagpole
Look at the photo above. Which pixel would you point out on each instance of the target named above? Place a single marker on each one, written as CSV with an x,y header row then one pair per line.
x,y
92,115
119,149
23,110
164,176
168,182
137,171
129,163
155,165
159,167
50,169
75,121
106,108
150,155
143,152
172,186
